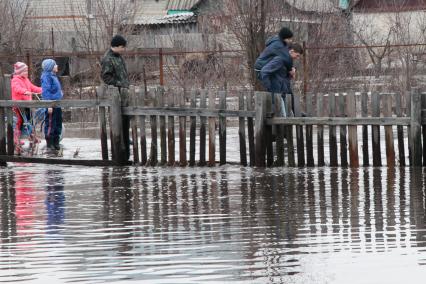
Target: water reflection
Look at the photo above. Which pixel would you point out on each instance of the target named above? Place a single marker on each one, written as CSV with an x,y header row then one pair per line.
x,y
221,225
55,201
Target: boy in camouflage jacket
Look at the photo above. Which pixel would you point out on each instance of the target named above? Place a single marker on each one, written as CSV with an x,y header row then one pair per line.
x,y
114,71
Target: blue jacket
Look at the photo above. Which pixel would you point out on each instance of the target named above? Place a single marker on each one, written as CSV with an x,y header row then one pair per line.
x,y
273,66
51,87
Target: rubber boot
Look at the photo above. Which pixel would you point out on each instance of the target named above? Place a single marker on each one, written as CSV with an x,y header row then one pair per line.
x,y
49,143
56,143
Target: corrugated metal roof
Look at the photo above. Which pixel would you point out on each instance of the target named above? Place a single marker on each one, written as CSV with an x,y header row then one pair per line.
x,y
319,6
182,18
182,4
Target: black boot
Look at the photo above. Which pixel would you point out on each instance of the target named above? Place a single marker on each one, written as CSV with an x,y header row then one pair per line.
x,y
56,144
49,143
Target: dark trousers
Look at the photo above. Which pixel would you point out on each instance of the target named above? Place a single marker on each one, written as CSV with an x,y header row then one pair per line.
x,y
53,123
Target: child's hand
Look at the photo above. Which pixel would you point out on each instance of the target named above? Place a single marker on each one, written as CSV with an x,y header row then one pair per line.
x,y
293,73
28,93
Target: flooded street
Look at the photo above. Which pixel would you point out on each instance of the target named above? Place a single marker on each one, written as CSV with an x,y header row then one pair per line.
x,y
212,225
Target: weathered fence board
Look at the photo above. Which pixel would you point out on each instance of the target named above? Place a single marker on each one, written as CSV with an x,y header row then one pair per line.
x,y
242,131
212,132
353,132
375,129
2,121
279,136
163,129
390,148
364,113
332,131
142,128
153,155
182,133
222,129
309,133
100,91
171,131
134,125
259,132
9,116
342,112
203,122
320,131
289,134
299,134
400,131
250,127
192,130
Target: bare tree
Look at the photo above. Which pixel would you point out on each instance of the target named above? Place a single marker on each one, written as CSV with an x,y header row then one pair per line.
x,y
15,31
249,22
98,21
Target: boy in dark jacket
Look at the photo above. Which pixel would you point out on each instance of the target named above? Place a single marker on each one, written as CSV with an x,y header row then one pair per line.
x,y
274,66
114,72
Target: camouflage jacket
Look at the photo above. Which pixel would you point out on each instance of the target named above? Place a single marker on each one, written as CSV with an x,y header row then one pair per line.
x,y
114,71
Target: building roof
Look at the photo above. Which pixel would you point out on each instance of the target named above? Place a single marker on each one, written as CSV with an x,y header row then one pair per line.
x,y
182,18
182,4
319,6
388,6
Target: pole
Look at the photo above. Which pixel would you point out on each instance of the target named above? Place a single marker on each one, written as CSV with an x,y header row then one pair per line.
x,y
305,70
160,53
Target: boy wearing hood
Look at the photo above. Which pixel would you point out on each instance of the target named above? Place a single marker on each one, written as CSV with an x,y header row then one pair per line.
x,y
51,90
22,90
274,66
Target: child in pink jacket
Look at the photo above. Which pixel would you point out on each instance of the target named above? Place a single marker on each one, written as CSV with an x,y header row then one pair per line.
x,y
22,89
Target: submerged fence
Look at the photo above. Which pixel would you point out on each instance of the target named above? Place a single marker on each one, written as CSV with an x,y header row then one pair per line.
x,y
339,112
170,127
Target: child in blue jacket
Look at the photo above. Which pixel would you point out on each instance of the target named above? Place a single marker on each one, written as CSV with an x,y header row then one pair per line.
x,y
51,90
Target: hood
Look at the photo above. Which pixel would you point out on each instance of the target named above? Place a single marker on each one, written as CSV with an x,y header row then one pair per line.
x,y
274,39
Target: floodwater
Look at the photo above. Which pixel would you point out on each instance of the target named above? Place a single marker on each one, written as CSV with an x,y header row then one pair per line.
x,y
212,225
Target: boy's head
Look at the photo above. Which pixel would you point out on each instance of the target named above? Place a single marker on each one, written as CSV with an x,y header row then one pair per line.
x,y
118,44
286,35
295,50
49,65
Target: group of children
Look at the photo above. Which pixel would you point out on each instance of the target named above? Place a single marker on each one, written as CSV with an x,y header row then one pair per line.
x,y
23,89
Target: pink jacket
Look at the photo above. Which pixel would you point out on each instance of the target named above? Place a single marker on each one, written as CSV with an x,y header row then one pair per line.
x,y
20,85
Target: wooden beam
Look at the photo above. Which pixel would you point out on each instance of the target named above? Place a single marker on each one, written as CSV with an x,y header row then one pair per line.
x,y
339,121
176,111
61,104
59,161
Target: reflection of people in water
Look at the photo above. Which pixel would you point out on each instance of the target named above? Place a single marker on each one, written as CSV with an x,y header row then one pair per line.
x,y
28,202
55,201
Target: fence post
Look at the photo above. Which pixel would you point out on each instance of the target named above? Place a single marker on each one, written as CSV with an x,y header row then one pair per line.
x,y
261,99
7,95
2,124
222,128
119,154
100,90
415,128
161,59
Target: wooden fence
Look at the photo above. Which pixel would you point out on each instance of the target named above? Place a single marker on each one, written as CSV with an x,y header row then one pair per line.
x,y
206,116
333,133
338,115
